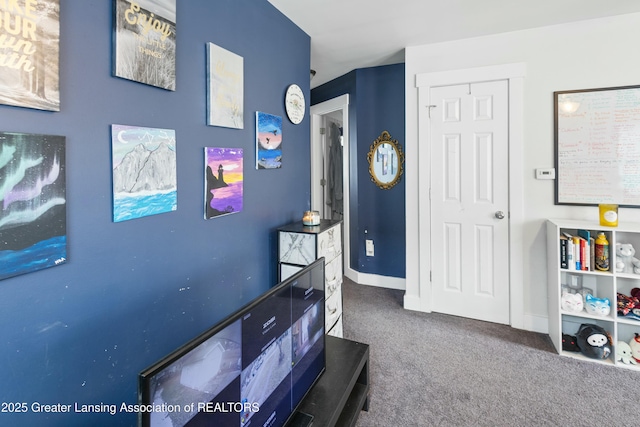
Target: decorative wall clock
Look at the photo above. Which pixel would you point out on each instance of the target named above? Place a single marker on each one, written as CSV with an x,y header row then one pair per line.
x,y
294,104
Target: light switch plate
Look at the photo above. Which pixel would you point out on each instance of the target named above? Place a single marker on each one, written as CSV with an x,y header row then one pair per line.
x,y
369,247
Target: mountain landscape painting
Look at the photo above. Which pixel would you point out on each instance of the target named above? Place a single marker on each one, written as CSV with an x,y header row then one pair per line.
x,y
33,210
144,171
223,181
145,42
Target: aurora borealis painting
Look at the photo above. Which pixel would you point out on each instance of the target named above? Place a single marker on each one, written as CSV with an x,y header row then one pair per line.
x,y
33,218
268,141
224,178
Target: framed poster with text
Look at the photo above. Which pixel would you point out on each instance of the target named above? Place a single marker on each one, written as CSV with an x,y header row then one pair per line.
x,y
29,54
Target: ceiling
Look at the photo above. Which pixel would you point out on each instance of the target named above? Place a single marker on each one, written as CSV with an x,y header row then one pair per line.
x,y
350,34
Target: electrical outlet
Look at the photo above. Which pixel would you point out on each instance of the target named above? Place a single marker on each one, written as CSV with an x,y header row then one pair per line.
x,y
369,247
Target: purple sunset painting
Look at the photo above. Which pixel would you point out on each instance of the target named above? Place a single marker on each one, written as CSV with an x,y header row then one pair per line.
x,y
223,181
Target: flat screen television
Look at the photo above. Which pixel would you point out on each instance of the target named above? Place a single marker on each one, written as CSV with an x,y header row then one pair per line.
x,y
251,369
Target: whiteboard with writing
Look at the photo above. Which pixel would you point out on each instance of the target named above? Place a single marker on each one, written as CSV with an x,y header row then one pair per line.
x,y
597,138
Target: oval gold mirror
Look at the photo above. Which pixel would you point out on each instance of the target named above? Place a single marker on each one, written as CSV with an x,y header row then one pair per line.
x,y
386,161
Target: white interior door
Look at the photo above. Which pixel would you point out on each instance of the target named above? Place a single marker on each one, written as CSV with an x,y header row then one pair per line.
x,y
469,200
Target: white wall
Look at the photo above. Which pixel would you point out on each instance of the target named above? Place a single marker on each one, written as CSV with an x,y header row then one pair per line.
x,y
587,54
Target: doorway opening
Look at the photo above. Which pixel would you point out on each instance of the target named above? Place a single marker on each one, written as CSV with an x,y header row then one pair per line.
x,y
330,165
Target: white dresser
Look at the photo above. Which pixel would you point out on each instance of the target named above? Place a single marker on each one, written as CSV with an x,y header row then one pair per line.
x,y
300,245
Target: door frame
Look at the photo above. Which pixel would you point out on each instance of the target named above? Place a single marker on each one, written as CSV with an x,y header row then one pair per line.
x,y
316,112
514,74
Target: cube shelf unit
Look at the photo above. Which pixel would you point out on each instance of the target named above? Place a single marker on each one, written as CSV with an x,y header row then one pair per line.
x,y
605,284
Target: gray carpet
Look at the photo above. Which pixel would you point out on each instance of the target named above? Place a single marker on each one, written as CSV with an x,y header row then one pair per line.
x,y
430,369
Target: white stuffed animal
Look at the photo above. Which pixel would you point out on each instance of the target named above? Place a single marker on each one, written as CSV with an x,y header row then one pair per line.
x,y
626,262
572,303
624,354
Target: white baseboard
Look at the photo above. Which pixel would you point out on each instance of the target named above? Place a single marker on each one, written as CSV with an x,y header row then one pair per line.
x,y
415,303
376,280
530,322
534,323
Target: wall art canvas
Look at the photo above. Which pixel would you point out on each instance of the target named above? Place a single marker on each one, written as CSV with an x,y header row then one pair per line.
x,y
29,54
268,141
224,179
33,214
145,42
225,88
144,171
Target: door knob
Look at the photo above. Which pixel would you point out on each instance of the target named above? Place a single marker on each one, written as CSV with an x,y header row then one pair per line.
x,y
499,214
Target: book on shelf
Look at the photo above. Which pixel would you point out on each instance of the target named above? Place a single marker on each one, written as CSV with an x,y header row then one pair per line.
x,y
571,265
564,261
585,249
577,252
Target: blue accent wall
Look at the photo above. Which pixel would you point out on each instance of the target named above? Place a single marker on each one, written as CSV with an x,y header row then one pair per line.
x,y
131,292
376,104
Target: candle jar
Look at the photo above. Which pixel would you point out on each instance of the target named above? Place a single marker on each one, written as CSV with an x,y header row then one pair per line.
x,y
608,215
311,218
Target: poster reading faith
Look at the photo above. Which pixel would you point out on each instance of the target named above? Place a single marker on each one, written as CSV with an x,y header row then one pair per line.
x,y
145,42
29,53
33,206
225,88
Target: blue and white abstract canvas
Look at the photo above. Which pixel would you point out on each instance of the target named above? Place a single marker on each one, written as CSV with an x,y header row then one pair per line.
x,y
33,214
268,141
144,171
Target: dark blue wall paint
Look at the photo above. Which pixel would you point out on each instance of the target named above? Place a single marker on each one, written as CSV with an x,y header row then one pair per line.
x,y
381,212
336,87
376,104
132,292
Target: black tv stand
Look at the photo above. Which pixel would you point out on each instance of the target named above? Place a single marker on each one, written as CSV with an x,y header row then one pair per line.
x,y
300,419
343,390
